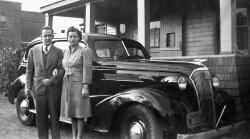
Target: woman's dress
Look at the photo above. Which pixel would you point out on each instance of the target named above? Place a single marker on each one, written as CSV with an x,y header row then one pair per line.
x,y
78,71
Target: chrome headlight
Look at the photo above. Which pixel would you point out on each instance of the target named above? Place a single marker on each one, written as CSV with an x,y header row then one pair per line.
x,y
216,81
182,83
170,79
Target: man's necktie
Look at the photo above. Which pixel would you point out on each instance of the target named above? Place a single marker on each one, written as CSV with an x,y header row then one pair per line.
x,y
46,49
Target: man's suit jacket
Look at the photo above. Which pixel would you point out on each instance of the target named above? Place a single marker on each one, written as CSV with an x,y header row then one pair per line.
x,y
37,70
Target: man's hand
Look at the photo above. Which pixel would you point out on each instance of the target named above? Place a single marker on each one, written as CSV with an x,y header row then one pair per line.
x,y
85,91
55,73
27,92
47,82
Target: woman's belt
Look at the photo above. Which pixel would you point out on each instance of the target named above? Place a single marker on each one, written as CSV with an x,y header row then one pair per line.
x,y
73,77
74,70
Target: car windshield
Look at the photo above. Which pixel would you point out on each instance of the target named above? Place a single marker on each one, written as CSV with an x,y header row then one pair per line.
x,y
110,48
65,45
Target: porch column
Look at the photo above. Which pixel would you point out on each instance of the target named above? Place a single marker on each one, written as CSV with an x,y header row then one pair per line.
x,y
143,23
248,21
90,18
228,31
48,20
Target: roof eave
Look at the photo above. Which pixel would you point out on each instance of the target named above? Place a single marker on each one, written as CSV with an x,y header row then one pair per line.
x,y
63,3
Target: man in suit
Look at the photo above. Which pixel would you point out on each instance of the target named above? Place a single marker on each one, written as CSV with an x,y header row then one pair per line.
x,y
42,60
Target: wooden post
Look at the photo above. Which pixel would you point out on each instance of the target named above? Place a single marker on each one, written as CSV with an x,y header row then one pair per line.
x,y
248,26
143,22
228,30
90,18
48,20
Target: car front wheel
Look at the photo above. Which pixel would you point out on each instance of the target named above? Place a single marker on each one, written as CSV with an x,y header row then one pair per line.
x,y
139,122
26,117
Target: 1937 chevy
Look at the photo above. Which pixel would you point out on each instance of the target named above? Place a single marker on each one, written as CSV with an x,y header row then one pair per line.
x,y
142,98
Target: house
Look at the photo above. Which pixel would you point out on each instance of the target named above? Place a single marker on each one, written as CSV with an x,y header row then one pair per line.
x,y
18,27
215,31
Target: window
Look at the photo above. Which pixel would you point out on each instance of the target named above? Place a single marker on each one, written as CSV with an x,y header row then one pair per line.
x,y
122,28
170,40
242,28
101,29
2,21
155,34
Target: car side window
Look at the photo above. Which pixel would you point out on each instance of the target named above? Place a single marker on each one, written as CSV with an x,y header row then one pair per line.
x,y
109,48
135,52
103,53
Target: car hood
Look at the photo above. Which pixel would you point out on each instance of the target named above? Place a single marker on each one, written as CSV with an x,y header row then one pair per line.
x,y
160,66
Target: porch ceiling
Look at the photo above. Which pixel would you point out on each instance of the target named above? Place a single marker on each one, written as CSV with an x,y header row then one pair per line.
x,y
110,11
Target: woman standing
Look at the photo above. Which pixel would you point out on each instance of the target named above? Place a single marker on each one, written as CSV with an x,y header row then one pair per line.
x,y
75,102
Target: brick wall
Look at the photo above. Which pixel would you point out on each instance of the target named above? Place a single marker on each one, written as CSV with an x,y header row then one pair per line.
x,y
243,70
234,74
31,24
10,35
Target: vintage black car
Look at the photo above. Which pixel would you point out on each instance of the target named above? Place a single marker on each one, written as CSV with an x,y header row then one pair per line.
x,y
139,97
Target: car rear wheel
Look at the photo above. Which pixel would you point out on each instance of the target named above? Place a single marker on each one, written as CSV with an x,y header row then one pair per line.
x,y
26,117
139,122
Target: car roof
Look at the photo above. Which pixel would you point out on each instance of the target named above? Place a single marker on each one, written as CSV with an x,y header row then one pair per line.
x,y
86,37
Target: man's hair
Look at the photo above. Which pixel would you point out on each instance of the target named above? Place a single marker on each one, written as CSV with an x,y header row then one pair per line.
x,y
73,29
47,28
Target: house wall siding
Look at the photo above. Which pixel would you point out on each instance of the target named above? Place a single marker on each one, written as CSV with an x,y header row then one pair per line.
x,y
171,23
199,33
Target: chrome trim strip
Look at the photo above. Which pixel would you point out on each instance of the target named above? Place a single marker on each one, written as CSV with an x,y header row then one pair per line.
x,y
121,80
125,48
107,99
93,96
197,95
190,77
202,68
101,130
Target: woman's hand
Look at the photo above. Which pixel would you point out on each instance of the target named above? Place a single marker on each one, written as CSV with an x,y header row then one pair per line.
x,y
55,73
85,91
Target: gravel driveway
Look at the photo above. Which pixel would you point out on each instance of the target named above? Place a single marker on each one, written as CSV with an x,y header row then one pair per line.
x,y
11,127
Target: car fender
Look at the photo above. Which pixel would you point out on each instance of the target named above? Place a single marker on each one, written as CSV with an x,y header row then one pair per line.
x,y
152,98
15,87
105,110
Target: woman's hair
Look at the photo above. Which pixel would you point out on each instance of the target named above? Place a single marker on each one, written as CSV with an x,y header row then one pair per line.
x,y
73,29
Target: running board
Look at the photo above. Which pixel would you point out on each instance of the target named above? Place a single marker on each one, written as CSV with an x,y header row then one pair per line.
x,y
62,119
213,133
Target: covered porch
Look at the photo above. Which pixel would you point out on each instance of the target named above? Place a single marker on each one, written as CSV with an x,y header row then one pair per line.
x,y
166,28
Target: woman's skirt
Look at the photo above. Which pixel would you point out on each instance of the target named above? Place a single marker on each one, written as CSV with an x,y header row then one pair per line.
x,y
73,105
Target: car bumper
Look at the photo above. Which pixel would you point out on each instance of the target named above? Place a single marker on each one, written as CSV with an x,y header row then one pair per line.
x,y
213,133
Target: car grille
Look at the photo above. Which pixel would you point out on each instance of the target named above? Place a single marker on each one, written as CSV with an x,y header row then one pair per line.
x,y
203,86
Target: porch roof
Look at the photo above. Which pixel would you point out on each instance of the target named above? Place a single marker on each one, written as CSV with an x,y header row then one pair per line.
x,y
109,11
